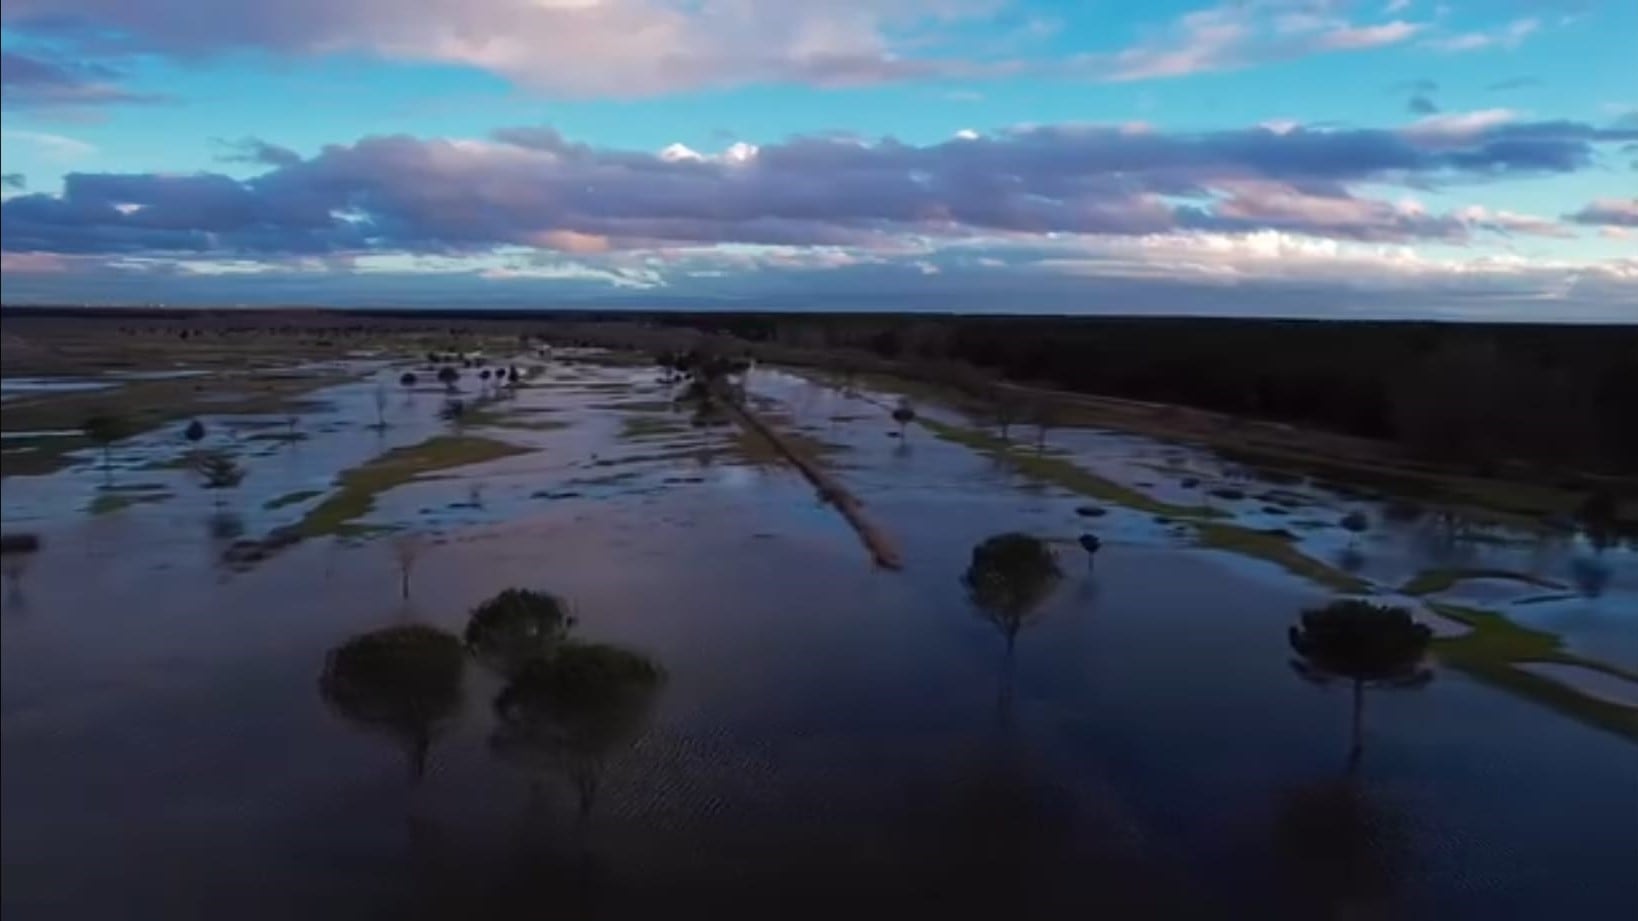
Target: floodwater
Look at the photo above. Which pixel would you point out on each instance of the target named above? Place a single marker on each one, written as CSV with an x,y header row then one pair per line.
x,y
828,737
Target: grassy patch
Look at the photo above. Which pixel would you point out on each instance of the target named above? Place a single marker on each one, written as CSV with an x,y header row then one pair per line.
x,y
641,427
1433,581
108,502
1063,473
494,416
151,404
359,486
278,436
1495,646
753,448
638,406
292,498
1279,550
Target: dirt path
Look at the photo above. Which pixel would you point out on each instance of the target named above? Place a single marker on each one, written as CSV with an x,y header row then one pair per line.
x,y
882,549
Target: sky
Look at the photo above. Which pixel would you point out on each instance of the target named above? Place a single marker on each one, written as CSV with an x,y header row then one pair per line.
x,y
1467,159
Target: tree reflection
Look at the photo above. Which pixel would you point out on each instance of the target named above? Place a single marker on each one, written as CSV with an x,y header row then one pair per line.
x,y
405,681
567,713
1365,644
1008,579
1341,852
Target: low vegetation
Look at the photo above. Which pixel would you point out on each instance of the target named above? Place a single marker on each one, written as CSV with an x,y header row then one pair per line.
x,y
1434,581
1278,548
358,487
1061,472
1493,648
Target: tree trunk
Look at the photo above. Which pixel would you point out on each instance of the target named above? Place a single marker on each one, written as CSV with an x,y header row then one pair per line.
x,y
1357,751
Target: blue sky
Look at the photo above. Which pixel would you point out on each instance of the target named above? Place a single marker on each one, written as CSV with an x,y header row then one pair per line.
x,y
1312,157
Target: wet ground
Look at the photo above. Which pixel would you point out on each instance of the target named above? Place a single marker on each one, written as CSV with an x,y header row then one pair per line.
x,y
828,736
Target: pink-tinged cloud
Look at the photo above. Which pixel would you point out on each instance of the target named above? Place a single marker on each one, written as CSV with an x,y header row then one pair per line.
x,y
533,188
575,47
1608,212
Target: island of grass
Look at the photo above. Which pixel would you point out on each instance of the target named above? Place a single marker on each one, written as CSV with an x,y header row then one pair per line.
x,y
1434,581
1278,549
1495,647
1060,472
358,487
292,498
111,500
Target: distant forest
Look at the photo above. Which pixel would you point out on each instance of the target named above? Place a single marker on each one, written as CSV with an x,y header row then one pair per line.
x,y
1558,400
1563,397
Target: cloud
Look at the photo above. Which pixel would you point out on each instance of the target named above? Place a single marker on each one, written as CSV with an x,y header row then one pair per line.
x,y
13,181
1608,212
57,147
628,48
1508,36
1234,36
531,187
34,82
570,47
1514,83
1421,105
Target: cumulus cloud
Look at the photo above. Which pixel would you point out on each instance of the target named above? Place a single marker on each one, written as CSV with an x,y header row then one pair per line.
x,y
1608,212
532,187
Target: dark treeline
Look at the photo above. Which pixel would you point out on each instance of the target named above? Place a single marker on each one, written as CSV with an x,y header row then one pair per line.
x,y
1558,398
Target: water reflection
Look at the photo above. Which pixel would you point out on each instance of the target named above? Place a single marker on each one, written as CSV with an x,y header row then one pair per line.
x,y
566,715
1340,852
404,681
1009,578
1364,644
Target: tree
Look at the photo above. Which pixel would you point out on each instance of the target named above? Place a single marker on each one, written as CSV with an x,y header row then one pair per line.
x,y
405,681
1005,407
1365,644
516,627
195,431
217,470
1010,575
571,711
448,375
406,549
904,414
1045,414
102,430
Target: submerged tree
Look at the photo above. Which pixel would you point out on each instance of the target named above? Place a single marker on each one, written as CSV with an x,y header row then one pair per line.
x,y
1010,576
195,431
405,681
448,375
217,470
406,550
516,627
1362,643
570,711
904,414
102,430
408,379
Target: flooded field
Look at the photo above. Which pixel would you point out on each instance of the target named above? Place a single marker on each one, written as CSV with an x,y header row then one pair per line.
x,y
811,733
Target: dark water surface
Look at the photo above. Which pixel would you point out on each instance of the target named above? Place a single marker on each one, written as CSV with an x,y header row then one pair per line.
x,y
828,739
